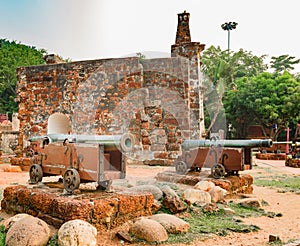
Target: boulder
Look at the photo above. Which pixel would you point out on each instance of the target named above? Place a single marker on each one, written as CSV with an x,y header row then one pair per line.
x,y
192,196
125,236
228,210
28,231
250,202
204,185
210,208
10,221
156,192
174,204
149,230
168,191
156,206
172,201
77,233
171,223
217,194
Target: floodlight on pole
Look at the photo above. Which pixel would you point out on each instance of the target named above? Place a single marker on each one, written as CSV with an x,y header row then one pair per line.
x,y
228,26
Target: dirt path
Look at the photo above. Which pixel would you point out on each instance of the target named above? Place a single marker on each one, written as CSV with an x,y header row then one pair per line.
x,y
287,227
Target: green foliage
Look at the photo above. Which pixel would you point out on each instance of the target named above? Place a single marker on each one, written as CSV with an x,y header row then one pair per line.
x,y
12,56
2,235
245,212
53,240
141,57
219,65
283,63
221,70
264,99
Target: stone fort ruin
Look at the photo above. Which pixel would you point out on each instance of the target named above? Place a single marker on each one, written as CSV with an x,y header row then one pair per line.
x,y
158,100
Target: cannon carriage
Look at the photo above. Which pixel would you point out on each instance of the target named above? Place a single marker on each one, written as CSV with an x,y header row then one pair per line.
x,y
80,158
222,156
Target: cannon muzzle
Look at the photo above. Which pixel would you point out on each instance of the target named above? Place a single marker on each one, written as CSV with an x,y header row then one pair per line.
x,y
253,143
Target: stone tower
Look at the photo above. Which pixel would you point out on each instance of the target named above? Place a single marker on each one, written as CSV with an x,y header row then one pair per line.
x,y
183,29
183,47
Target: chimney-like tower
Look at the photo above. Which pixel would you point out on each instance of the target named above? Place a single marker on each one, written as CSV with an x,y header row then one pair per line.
x,y
184,48
183,29
183,45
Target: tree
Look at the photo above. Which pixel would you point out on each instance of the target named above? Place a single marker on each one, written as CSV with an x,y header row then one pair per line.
x,y
283,63
218,64
12,56
265,99
221,69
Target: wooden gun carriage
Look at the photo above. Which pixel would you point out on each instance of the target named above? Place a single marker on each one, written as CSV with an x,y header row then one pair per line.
x,y
222,156
80,158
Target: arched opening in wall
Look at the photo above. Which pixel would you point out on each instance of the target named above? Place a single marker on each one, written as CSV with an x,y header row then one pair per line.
x,y
59,123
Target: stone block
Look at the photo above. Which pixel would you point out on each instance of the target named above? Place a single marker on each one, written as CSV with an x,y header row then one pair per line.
x,y
173,147
42,201
104,208
10,192
128,204
26,161
158,147
13,169
64,208
23,197
14,161
292,162
161,154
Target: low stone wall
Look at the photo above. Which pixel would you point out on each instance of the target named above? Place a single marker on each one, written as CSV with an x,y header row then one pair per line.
x,y
23,162
101,209
291,162
234,185
270,156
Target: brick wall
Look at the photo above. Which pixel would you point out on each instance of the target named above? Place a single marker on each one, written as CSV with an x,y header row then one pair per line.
x,y
158,100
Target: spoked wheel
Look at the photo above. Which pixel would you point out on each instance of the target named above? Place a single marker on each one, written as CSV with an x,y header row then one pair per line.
x,y
218,171
71,180
35,173
181,167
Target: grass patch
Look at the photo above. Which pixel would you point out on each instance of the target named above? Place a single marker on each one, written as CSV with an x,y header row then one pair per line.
x,y
244,212
284,183
202,225
53,240
2,235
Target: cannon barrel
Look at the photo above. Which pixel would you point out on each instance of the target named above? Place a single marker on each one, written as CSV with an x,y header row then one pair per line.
x,y
190,144
125,142
283,142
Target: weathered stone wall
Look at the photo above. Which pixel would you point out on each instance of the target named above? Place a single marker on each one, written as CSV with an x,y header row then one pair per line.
x,y
159,100
105,211
9,140
106,97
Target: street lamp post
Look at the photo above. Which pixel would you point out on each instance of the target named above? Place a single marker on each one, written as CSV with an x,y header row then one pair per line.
x,y
228,26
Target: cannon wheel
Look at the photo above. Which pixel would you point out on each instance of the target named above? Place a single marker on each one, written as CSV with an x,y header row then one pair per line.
x,y
35,173
181,167
218,171
71,180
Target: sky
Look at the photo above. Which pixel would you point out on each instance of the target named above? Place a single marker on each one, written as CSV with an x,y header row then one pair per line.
x,y
96,29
